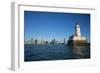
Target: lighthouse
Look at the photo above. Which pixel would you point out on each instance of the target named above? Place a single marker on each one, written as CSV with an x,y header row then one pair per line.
x,y
77,38
77,30
77,33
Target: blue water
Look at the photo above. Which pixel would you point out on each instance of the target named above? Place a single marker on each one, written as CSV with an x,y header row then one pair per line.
x,y
54,52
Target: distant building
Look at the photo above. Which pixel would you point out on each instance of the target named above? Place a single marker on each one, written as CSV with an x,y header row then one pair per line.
x,y
42,41
27,42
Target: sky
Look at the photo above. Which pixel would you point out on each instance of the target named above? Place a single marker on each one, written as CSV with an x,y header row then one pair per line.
x,y
50,25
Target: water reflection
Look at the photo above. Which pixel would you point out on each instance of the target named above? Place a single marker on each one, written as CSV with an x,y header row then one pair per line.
x,y
81,51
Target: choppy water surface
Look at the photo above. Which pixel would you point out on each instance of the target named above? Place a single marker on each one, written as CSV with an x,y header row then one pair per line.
x,y
54,52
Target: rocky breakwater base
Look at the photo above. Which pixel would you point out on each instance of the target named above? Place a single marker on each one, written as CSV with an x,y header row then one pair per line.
x,y
78,43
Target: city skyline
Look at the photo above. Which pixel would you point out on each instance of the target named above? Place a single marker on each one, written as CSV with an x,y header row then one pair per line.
x,y
50,25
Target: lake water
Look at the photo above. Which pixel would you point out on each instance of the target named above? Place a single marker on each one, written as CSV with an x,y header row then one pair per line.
x,y
55,52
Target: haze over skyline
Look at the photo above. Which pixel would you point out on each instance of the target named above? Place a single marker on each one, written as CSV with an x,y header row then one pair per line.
x,y
50,25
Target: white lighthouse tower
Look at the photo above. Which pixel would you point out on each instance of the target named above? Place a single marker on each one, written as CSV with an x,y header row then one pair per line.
x,y
77,30
77,33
